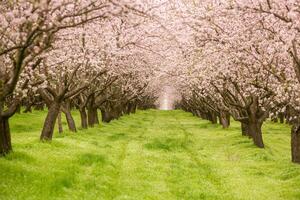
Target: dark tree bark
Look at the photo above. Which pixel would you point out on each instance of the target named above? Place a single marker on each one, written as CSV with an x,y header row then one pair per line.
x,y
213,118
295,142
133,108
70,121
256,133
5,138
83,117
66,108
130,108
92,116
48,128
92,112
104,115
110,115
281,118
245,129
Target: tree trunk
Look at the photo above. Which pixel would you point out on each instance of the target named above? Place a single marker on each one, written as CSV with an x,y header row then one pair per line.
x,y
255,132
83,117
214,118
104,115
96,116
92,116
70,120
59,123
49,124
281,118
5,139
107,116
245,131
224,119
127,109
133,108
295,142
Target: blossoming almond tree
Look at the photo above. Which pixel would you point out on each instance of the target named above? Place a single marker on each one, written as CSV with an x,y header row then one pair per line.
x,y
27,30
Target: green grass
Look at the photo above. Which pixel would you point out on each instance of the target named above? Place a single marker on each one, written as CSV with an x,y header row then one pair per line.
x,y
150,155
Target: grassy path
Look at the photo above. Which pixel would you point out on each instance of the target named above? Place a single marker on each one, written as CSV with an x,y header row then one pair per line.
x,y
150,155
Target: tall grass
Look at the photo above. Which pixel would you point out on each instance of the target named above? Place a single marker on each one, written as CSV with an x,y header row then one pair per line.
x,y
149,155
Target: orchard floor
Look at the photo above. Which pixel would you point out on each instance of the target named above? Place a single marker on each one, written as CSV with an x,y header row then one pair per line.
x,y
149,155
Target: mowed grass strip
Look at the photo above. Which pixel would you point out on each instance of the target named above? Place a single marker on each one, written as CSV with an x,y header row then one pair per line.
x,y
149,155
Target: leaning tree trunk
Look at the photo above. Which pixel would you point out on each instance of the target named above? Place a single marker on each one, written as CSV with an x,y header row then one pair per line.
x,y
295,142
5,139
254,128
49,124
70,120
83,117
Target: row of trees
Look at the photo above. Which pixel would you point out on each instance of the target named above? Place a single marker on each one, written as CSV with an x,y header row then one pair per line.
x,y
235,59
245,64
84,54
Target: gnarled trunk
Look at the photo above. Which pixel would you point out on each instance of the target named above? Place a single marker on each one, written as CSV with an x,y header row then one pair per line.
x,y
70,121
48,128
254,128
295,142
256,117
5,138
